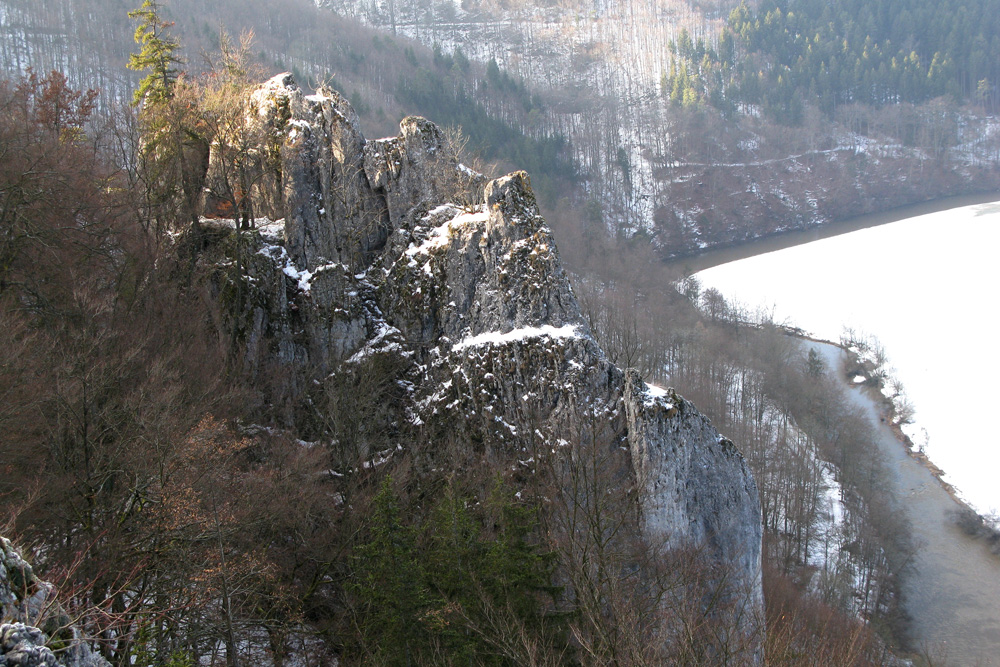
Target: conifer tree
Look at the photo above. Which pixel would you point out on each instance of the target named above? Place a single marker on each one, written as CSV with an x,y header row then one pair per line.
x,y
174,138
157,55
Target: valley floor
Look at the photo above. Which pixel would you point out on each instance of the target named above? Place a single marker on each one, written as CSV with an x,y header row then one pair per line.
x,y
953,591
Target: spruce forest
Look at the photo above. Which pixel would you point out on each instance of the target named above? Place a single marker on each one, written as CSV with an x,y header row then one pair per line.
x,y
782,56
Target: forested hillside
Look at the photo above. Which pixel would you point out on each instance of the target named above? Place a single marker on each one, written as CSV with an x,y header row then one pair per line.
x,y
785,55
385,77
197,496
192,503
684,151
608,109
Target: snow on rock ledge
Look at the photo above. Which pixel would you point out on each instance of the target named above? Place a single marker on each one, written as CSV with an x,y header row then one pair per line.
x,y
498,338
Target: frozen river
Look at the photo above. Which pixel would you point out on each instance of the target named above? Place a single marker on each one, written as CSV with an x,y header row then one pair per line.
x,y
926,287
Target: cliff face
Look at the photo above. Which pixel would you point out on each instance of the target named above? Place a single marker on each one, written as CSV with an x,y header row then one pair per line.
x,y
392,250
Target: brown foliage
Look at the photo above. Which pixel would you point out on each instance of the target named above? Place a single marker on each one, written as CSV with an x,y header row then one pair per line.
x,y
51,203
804,631
105,368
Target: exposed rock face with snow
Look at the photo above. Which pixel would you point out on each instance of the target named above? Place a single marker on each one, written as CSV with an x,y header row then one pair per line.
x,y
376,261
690,491
25,600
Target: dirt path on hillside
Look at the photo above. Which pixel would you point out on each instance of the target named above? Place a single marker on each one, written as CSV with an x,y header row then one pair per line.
x,y
953,593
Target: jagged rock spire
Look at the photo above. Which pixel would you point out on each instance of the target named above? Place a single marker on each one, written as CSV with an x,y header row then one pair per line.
x,y
391,247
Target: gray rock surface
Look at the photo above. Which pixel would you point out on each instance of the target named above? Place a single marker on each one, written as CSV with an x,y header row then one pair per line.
x,y
695,485
468,273
23,597
24,646
391,247
27,600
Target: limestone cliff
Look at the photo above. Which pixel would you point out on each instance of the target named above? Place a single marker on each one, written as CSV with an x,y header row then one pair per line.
x,y
26,601
391,249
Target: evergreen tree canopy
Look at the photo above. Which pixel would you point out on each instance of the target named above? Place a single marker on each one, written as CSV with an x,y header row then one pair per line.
x,y
157,54
441,587
855,51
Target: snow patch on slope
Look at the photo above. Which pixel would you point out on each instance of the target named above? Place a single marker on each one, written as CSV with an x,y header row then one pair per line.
x,y
524,333
440,235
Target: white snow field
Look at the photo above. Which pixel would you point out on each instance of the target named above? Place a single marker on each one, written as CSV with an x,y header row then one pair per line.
x,y
926,288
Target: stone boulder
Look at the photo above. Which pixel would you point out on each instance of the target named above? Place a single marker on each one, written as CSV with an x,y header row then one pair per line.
x,y
26,602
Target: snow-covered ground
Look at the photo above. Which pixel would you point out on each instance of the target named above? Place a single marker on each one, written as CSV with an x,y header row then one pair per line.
x,y
925,287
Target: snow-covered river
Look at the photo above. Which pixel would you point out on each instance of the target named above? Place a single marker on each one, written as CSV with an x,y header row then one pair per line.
x,y
926,287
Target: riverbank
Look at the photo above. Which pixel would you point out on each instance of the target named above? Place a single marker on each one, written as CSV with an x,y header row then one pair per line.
x,y
952,592
885,409
917,285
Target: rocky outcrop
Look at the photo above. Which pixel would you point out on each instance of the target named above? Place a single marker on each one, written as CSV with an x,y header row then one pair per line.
x,y
26,601
492,269
695,483
415,169
393,250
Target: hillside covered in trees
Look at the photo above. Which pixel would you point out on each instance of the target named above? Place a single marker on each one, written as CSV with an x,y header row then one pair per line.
x,y
615,124
385,77
193,497
783,55
683,149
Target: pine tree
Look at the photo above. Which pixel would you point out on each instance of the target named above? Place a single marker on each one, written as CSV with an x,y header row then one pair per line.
x,y
389,584
157,55
175,138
